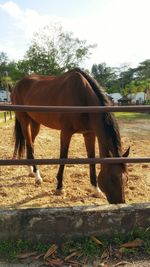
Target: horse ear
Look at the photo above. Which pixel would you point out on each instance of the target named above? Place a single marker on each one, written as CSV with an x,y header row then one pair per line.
x,y
126,154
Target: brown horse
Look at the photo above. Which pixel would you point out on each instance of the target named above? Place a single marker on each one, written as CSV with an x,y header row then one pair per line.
x,y
74,88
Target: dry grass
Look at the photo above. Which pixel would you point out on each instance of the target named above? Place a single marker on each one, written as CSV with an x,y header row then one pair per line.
x,y
19,190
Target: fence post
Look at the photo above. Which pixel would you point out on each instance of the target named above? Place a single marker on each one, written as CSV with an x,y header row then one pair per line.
x,y
10,115
5,116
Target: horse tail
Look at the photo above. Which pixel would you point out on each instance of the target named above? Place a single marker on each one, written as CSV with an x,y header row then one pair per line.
x,y
19,140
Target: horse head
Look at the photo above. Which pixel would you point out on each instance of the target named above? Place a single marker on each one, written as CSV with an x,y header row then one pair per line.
x,y
112,180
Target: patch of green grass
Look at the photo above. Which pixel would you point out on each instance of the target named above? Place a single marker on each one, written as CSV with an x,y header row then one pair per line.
x,y
10,249
2,115
8,119
132,116
86,246
90,249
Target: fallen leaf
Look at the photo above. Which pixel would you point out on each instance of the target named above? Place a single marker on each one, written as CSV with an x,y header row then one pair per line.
x,y
97,241
74,263
121,263
118,253
103,264
54,262
105,254
26,255
133,244
38,256
75,253
50,251
110,250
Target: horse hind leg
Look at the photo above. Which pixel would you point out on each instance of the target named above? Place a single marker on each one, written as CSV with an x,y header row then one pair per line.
x,y
32,131
89,139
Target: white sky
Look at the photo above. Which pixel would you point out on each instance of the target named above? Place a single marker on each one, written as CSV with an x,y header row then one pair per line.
x,y
121,28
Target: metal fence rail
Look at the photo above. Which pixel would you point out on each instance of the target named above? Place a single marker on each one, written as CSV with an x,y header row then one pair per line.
x,y
76,109
79,109
63,161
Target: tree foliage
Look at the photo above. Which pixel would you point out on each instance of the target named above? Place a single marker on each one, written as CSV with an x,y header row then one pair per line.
x,y
143,70
10,71
104,75
54,51
3,63
125,80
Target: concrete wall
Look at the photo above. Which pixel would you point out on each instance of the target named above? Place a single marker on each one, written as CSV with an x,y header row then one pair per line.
x,y
56,224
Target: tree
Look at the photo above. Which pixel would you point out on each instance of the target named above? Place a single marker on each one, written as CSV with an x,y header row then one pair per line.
x,y
3,64
143,70
126,77
9,71
15,71
130,88
54,51
105,76
138,79
3,58
4,79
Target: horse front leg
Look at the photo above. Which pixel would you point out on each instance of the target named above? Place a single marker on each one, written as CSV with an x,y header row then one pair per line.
x,y
64,146
33,130
89,139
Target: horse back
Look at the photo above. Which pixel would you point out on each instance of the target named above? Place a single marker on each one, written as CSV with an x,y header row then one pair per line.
x,y
69,89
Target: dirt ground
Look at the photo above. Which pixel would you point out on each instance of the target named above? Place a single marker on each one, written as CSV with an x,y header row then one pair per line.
x,y
17,189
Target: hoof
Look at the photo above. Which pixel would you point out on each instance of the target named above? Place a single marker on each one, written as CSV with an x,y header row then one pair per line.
x,y
38,181
98,193
59,192
31,174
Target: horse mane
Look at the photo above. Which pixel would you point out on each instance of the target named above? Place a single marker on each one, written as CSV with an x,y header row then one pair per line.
x,y
110,122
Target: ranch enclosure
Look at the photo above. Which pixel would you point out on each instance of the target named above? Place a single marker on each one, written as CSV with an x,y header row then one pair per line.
x,y
18,190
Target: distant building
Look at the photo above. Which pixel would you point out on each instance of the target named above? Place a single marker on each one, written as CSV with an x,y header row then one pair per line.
x,y
4,95
115,97
131,96
131,99
138,98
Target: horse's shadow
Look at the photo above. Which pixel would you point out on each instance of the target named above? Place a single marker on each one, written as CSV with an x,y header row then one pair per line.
x,y
28,199
17,182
